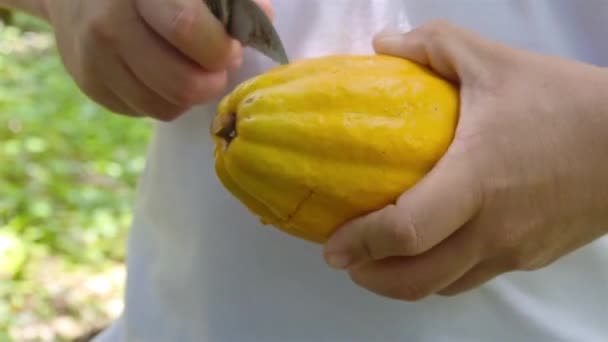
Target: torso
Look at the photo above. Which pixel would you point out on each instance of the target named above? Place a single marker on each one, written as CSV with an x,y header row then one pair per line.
x,y
202,268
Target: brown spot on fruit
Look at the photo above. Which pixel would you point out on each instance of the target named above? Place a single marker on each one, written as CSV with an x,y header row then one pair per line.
x,y
250,99
227,128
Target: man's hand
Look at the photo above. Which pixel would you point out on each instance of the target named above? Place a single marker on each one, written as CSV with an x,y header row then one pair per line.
x,y
145,57
524,182
33,7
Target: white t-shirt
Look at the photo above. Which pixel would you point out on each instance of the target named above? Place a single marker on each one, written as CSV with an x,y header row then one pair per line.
x,y
201,267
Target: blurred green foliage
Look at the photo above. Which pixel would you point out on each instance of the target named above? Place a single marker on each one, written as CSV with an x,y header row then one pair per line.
x,y
68,168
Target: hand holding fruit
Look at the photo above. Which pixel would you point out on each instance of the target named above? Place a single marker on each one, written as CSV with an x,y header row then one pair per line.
x,y
523,183
312,144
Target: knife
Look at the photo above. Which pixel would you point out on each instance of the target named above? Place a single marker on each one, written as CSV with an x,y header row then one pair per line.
x,y
245,21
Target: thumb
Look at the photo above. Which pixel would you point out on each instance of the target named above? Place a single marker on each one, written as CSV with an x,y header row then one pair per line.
x,y
191,27
438,205
454,53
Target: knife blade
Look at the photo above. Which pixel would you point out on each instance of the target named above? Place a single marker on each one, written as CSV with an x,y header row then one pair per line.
x,y
245,21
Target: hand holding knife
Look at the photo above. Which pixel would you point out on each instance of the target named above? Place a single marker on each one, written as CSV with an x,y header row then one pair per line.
x,y
245,21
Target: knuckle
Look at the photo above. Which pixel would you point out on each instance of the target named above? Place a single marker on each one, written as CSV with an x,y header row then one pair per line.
x,y
184,33
404,234
536,263
188,92
101,31
182,24
515,245
436,28
533,261
509,243
407,239
370,250
509,239
516,260
193,89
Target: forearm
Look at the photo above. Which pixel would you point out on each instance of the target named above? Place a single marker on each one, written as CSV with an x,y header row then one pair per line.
x,y
33,7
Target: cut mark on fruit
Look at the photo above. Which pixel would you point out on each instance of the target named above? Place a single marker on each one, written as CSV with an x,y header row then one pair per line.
x,y
299,205
228,129
250,99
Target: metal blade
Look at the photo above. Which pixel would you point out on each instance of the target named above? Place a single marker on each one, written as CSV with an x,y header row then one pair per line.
x,y
220,9
246,22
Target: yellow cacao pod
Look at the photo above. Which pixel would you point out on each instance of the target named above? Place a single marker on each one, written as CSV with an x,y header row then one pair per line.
x,y
311,145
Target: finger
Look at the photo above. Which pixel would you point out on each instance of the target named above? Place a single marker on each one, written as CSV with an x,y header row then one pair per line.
x,y
104,96
179,80
89,81
439,204
121,81
476,277
451,51
413,278
190,26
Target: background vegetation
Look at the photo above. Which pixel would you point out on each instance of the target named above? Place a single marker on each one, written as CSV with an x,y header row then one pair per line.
x,y
68,171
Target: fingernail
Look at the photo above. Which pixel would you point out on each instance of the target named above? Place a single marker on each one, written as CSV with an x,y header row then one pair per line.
x,y
338,260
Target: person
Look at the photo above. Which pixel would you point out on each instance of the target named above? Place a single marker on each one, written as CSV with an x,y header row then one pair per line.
x,y
502,241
